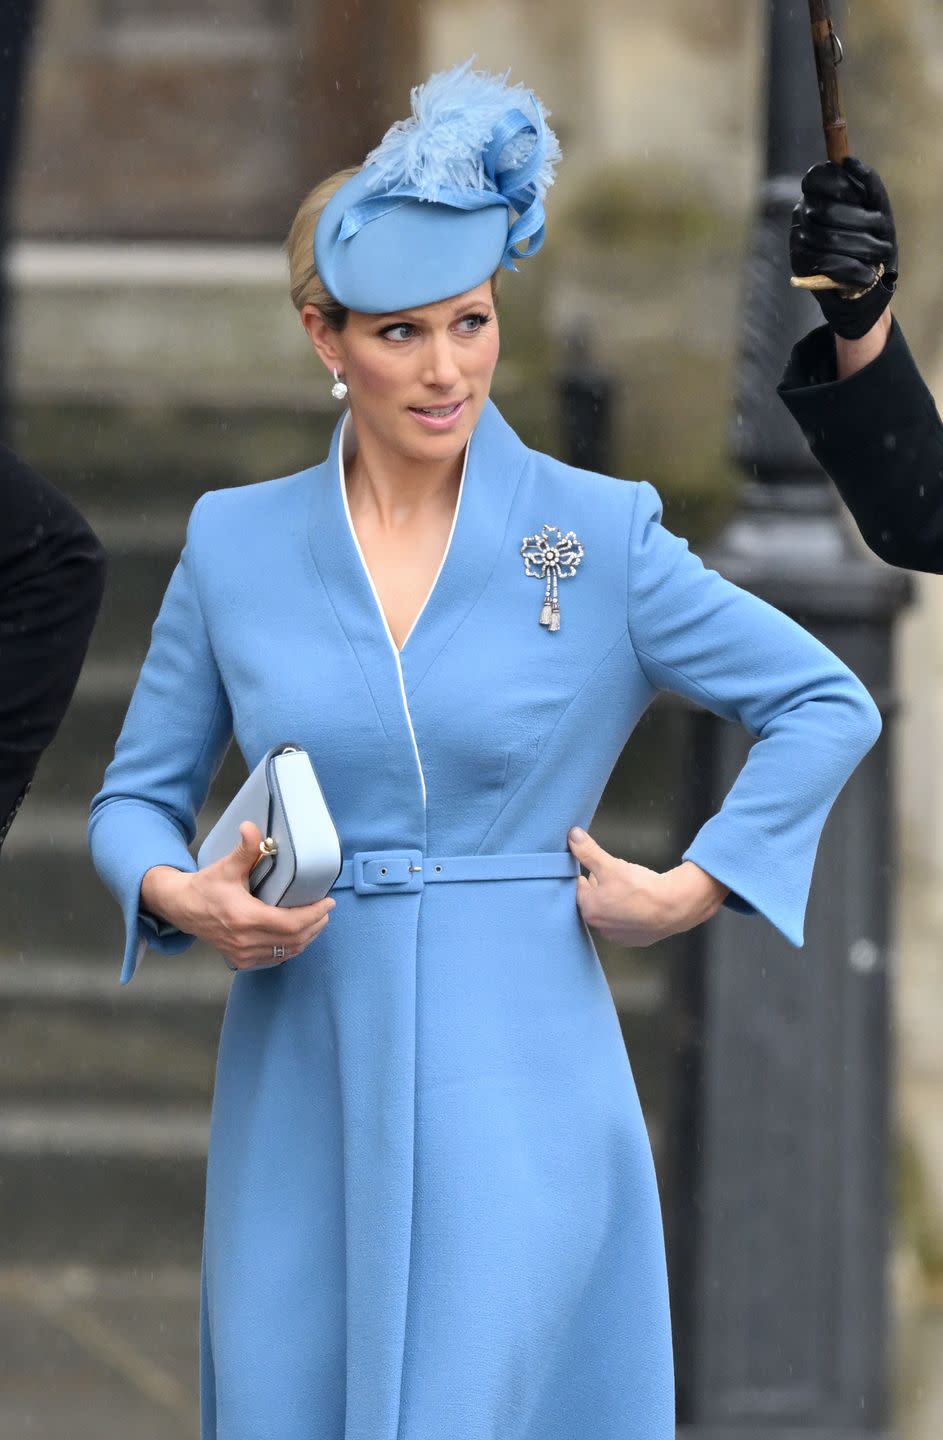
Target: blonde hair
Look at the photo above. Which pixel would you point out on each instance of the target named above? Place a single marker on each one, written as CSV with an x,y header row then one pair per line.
x,y
305,284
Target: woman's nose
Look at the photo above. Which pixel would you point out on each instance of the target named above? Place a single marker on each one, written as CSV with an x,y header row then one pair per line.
x,y
442,369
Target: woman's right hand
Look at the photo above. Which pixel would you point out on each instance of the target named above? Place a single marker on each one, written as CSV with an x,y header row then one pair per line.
x,y
214,904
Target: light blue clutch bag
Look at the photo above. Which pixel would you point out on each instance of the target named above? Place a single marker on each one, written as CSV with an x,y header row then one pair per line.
x,y
300,857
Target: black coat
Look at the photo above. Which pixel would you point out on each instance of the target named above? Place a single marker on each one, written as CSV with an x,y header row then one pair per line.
x,y
880,438
52,572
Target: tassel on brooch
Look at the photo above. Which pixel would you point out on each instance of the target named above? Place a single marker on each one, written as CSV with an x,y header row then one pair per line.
x,y
547,610
551,556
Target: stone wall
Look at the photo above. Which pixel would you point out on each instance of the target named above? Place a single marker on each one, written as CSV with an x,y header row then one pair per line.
x,y
202,118
672,85
206,120
142,127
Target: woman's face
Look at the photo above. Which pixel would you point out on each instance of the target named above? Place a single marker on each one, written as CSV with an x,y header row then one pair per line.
x,y
417,379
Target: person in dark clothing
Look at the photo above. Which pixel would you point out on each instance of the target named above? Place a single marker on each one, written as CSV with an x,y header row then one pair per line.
x,y
52,567
853,385
18,22
52,572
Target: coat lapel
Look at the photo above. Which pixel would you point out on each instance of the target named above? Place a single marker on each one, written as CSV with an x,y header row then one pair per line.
x,y
351,595
495,464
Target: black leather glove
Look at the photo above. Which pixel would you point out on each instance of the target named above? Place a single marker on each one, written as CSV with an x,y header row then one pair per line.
x,y
844,228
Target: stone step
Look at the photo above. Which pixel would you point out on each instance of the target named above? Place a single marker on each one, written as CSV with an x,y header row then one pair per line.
x,y
72,768
50,895
67,1028
110,1184
221,331
142,553
119,458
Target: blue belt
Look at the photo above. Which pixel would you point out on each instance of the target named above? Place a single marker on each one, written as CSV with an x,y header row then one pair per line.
x,y
370,872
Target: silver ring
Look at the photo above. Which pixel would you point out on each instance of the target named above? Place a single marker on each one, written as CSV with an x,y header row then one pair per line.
x,y
278,952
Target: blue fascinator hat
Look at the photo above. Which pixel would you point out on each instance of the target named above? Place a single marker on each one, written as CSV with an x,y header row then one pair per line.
x,y
448,196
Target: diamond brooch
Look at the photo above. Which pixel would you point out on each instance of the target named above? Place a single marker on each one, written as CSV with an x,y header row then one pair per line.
x,y
551,556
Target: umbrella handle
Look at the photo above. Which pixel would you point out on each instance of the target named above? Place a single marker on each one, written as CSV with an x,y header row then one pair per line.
x,y
825,282
829,54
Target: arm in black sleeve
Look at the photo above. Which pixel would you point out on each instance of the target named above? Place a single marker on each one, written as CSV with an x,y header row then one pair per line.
x,y
52,572
879,436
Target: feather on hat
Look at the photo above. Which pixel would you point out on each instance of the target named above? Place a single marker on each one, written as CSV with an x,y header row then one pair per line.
x,y
430,213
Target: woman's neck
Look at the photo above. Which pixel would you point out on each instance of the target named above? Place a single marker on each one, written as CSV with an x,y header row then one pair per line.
x,y
394,488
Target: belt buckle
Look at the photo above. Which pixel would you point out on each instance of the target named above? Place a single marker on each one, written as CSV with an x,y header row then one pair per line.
x,y
376,872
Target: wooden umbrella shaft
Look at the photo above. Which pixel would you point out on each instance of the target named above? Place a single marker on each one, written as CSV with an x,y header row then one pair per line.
x,y
827,48
828,57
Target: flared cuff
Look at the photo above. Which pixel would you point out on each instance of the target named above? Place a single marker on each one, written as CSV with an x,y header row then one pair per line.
x,y
128,840
760,882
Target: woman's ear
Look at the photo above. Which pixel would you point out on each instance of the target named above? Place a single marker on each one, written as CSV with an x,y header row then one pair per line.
x,y
322,337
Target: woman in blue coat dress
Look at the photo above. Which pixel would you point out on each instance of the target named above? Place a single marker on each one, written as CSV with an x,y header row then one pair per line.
x,y
431,1208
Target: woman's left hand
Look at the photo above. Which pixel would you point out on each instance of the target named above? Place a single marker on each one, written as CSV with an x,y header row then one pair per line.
x,y
634,906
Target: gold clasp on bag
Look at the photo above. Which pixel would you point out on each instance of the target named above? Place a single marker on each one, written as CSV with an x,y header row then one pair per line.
x,y
267,847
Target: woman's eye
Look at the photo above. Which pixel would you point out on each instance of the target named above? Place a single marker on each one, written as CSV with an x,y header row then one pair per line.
x,y
467,325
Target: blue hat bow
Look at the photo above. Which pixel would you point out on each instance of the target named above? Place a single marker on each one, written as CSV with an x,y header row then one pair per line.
x,y
514,187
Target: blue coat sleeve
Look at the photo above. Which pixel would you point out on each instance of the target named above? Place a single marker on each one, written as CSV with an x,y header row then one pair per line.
x,y
813,721
174,736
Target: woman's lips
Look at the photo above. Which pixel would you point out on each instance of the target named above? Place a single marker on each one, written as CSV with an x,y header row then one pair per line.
x,y
439,417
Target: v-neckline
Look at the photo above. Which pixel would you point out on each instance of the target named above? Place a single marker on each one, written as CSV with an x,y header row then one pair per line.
x,y
496,461
344,454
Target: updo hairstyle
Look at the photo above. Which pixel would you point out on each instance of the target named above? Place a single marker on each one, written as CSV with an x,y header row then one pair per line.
x,y
304,281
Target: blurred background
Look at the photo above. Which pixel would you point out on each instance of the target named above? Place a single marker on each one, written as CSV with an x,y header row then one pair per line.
x,y
151,353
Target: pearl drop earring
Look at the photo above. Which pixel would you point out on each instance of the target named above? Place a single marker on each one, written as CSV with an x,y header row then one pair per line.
x,y
338,389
